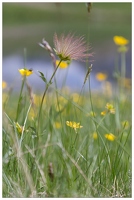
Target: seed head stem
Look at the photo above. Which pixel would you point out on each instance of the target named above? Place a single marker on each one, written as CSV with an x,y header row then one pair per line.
x,y
47,86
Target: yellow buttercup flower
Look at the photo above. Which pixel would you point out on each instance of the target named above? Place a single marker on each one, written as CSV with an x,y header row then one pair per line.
x,y
63,64
25,72
95,135
32,114
110,136
107,89
75,97
4,84
103,112
121,41
101,76
18,127
57,125
92,114
73,125
125,124
110,108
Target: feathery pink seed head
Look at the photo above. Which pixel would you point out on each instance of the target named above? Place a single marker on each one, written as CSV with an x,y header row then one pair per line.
x,y
71,48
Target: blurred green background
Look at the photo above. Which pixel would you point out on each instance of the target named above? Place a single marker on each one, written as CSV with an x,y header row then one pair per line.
x,y
25,24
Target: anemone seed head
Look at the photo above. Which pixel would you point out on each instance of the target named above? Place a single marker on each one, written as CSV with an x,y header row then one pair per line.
x,y
71,47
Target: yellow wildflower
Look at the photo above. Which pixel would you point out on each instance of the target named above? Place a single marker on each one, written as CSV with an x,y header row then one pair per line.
x,y
63,64
103,112
95,135
25,72
5,96
4,84
75,97
101,76
73,125
107,89
119,40
92,114
127,82
37,99
57,125
32,114
110,108
125,124
18,127
110,136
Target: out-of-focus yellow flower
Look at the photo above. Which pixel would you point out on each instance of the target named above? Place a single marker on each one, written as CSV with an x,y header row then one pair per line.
x,y
107,89
92,114
37,99
62,100
25,72
32,113
101,76
127,82
63,64
110,108
110,136
5,96
4,84
65,90
125,124
119,40
57,125
18,127
73,125
95,135
104,112
75,97
61,103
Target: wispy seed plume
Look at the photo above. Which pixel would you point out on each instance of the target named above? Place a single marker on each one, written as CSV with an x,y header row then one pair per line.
x,y
71,47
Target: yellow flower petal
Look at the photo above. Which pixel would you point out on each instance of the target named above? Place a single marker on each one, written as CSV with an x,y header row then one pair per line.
x,y
73,124
110,108
75,97
25,72
18,127
125,124
63,64
95,135
101,76
110,136
119,40
57,125
103,112
92,114
4,84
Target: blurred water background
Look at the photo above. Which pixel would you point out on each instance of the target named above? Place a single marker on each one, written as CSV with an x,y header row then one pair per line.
x,y
26,24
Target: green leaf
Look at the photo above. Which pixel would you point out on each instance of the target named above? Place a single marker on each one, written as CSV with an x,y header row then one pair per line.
x,y
43,77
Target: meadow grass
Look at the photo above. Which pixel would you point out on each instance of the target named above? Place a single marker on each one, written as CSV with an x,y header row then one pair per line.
x,y
62,143
56,160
